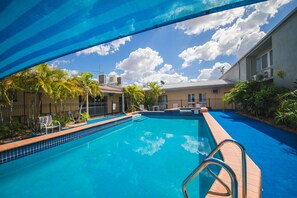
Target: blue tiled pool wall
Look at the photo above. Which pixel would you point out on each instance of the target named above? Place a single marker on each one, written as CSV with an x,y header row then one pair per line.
x,y
172,113
105,118
13,154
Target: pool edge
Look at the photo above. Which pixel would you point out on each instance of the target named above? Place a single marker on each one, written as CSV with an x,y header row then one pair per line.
x,y
19,149
232,157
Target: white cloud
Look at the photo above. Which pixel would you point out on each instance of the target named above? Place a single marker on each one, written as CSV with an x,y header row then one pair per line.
x,y
214,72
236,39
106,49
141,67
69,71
209,22
58,62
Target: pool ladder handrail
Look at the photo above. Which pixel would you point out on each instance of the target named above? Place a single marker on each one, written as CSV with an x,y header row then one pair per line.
x,y
210,160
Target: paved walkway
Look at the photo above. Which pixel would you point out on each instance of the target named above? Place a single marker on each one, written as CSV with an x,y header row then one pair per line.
x,y
273,150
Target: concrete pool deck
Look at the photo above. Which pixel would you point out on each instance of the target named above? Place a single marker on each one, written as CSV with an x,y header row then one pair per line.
x,y
232,156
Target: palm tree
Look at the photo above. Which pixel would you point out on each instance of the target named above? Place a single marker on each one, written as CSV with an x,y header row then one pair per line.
x,y
86,87
62,87
151,96
37,80
134,96
6,85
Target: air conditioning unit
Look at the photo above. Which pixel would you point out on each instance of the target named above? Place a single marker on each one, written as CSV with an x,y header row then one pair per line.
x,y
254,77
112,79
102,79
119,79
267,73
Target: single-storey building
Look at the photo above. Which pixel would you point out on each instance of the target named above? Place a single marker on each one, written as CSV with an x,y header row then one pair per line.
x,y
205,93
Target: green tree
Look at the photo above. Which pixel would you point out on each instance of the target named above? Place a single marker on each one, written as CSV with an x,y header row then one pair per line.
x,y
255,98
7,86
134,96
37,80
86,86
152,94
287,112
63,87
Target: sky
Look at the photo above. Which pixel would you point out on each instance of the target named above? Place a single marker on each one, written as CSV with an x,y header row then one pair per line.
x,y
199,49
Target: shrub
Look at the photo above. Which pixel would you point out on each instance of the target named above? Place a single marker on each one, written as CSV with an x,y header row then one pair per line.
x,y
266,100
255,98
62,119
287,112
84,116
10,130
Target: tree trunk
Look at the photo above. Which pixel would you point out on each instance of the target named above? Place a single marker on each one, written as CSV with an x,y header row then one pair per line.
x,y
10,112
1,115
80,109
56,108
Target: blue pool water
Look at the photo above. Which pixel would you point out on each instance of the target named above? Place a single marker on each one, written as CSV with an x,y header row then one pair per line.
x,y
149,157
273,150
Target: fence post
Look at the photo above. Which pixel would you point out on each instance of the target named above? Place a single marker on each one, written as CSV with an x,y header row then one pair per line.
x,y
50,108
181,102
209,102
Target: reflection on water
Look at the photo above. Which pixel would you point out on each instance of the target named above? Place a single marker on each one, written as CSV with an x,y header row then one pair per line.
x,y
151,144
168,135
196,145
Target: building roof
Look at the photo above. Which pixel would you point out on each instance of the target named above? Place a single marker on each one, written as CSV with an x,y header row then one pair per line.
x,y
263,40
106,89
196,85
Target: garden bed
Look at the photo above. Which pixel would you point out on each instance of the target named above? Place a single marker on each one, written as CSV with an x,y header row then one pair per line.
x,y
270,122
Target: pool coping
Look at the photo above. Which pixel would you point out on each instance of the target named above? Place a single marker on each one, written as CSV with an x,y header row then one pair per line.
x,y
232,156
13,145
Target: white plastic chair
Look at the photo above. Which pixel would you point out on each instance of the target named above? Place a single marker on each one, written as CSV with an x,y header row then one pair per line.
x,y
47,122
198,105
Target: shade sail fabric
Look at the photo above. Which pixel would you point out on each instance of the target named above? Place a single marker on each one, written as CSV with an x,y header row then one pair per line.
x,y
36,31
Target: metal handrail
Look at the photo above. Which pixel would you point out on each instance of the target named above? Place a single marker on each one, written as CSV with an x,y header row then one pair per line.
x,y
228,193
243,163
204,164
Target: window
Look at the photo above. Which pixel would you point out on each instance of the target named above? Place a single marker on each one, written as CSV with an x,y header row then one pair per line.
x,y
202,97
215,91
258,65
191,97
271,57
264,61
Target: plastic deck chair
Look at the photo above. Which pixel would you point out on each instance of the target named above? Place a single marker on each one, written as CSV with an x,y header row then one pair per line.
x,y
47,122
175,105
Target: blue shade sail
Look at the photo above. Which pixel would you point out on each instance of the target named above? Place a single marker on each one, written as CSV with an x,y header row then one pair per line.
x,y
36,31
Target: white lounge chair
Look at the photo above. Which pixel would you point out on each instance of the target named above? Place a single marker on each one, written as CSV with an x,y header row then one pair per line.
x,y
175,105
47,122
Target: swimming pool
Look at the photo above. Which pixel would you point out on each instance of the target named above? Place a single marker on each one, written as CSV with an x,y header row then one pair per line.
x,y
149,157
